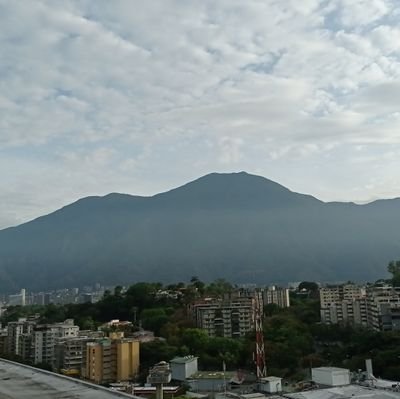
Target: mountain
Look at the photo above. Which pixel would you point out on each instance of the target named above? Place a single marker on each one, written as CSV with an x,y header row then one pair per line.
x,y
241,227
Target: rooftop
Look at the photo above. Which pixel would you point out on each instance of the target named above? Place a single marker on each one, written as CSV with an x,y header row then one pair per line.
x,y
271,379
348,391
330,369
18,381
185,359
213,375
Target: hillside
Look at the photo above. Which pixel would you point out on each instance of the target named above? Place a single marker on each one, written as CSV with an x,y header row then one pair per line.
x,y
238,226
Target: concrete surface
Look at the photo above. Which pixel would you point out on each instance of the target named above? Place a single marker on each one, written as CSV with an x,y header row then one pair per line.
x,y
24,382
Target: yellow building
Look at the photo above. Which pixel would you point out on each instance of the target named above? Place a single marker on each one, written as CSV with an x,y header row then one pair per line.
x,y
110,360
127,359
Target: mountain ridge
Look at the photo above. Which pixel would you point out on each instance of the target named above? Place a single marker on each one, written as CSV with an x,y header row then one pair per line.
x,y
237,226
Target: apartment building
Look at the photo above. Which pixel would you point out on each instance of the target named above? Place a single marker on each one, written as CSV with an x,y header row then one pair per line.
x,y
376,307
45,338
110,360
383,308
346,292
68,355
232,317
343,304
276,295
15,330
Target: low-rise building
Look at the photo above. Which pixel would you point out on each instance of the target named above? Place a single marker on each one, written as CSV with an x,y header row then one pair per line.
x,y
183,367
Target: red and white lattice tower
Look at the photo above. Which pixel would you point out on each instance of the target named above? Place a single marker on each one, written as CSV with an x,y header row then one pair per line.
x,y
259,350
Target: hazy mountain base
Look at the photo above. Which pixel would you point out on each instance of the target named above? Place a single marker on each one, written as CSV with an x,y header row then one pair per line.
x,y
238,226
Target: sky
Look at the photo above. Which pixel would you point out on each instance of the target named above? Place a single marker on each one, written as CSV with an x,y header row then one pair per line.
x,y
139,97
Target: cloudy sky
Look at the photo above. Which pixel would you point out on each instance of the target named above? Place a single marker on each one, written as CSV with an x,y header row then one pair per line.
x,y
141,96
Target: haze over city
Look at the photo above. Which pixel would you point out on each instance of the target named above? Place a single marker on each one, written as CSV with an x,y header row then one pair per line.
x,y
141,97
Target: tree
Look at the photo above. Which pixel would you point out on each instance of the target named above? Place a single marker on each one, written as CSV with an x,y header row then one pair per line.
x,y
219,287
195,339
271,309
199,285
308,286
154,319
311,287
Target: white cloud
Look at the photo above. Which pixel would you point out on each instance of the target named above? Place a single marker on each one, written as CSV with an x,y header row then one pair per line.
x,y
109,96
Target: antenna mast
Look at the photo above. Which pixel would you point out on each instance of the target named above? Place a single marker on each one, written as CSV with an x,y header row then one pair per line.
x,y
259,350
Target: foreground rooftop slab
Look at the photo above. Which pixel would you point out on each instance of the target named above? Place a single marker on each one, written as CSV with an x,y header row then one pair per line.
x,y
23,382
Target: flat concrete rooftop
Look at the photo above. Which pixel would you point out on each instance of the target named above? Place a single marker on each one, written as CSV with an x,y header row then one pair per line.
x,y
24,382
345,392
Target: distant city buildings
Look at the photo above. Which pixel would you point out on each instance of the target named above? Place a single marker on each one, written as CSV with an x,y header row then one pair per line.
x,y
58,297
17,299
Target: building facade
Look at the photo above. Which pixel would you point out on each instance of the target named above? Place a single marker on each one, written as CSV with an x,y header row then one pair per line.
x,y
45,338
375,307
15,330
231,317
109,360
277,296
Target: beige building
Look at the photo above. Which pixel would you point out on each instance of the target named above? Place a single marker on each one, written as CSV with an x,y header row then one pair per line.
x,y
376,307
343,304
334,294
110,360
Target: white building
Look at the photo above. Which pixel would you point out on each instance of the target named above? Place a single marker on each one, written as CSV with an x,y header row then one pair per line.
x,y
183,367
17,299
330,376
270,384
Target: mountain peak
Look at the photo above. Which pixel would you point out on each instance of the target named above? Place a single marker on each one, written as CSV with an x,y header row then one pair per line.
x,y
234,190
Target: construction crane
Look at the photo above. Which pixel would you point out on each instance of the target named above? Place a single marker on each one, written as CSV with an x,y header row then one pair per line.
x,y
259,353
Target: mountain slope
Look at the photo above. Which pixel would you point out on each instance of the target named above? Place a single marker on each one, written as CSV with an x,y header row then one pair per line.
x,y
238,226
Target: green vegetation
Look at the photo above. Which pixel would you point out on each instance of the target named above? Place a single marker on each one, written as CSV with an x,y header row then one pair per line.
x,y
295,340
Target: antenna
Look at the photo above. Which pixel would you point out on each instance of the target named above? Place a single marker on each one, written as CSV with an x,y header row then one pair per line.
x,y
259,350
